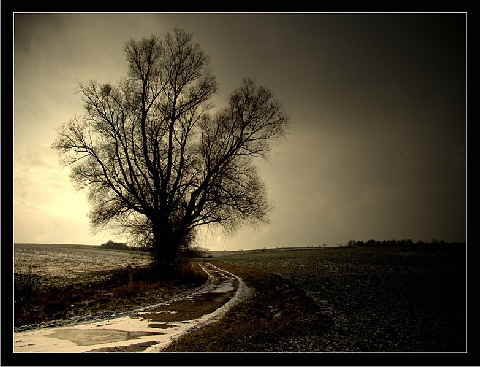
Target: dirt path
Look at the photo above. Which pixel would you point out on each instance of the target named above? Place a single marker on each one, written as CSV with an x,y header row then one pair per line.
x,y
279,318
148,329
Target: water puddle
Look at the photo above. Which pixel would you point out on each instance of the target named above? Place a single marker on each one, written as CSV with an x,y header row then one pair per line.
x,y
98,336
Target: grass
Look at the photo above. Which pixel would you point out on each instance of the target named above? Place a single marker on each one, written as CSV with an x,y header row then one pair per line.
x,y
61,281
119,291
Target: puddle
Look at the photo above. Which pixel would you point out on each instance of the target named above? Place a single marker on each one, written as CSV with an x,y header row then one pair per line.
x,y
203,304
98,336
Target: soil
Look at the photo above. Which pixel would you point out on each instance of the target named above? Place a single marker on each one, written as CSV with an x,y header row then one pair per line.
x,y
138,347
277,319
381,299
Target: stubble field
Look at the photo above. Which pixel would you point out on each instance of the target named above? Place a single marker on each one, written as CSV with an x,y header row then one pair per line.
x,y
380,299
59,265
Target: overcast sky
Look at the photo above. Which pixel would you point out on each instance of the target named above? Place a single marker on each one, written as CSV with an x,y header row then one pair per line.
x,y
376,142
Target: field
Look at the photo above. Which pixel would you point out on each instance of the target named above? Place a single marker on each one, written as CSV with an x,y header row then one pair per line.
x,y
58,284
57,264
380,299
328,299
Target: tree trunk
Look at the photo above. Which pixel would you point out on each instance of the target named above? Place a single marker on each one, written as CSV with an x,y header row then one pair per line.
x,y
164,249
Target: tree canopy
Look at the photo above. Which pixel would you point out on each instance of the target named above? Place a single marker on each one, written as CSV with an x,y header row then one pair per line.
x,y
157,159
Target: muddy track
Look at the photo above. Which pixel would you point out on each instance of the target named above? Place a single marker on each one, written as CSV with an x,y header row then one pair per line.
x,y
150,328
279,318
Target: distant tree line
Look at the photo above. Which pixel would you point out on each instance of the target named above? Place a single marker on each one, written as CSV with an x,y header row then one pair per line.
x,y
401,243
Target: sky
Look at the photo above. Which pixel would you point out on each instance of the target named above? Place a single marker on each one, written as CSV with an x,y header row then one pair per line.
x,y
376,142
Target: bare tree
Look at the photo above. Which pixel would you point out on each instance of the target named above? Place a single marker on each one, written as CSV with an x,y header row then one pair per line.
x,y
154,156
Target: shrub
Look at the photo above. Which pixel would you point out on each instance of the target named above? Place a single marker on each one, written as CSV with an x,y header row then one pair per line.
x,y
26,286
132,288
115,245
194,252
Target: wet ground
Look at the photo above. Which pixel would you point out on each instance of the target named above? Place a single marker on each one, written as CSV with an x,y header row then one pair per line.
x,y
147,329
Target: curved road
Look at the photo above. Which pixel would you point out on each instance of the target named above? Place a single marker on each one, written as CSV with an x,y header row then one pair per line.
x,y
149,329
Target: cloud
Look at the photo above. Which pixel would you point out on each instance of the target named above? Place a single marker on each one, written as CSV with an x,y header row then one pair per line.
x,y
376,143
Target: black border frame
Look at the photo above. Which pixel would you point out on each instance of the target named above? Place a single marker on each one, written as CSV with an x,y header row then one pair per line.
x,y
211,359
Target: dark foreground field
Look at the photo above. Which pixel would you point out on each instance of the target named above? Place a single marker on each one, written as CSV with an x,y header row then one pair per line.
x,y
366,299
330,299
